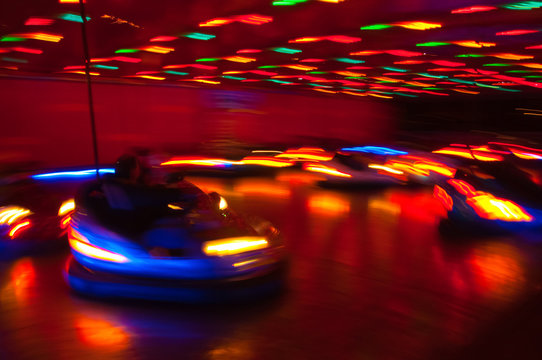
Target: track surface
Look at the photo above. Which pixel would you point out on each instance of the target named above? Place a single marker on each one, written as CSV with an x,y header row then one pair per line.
x,y
370,278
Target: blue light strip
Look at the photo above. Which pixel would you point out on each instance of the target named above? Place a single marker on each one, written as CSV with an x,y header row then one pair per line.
x,y
72,174
378,150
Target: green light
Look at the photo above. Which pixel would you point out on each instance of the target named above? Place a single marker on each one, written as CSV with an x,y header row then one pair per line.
x,y
320,85
524,5
356,77
470,55
72,17
268,67
433,76
12,38
106,67
286,50
497,64
21,61
463,81
375,27
175,72
126,51
408,95
349,61
432,88
518,71
279,81
486,85
534,76
233,77
394,69
207,59
432,43
509,90
199,36
317,72
288,2
353,89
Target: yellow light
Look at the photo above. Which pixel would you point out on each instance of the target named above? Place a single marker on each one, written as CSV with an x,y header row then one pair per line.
x,y
492,208
151,77
348,73
207,81
354,93
18,227
328,203
198,161
9,214
266,161
512,56
231,246
319,168
305,39
243,263
40,36
301,67
419,25
223,204
158,49
385,168
466,91
380,96
66,207
81,244
473,44
240,59
174,207
532,65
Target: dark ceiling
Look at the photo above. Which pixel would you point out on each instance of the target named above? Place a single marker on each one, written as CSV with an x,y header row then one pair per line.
x,y
419,48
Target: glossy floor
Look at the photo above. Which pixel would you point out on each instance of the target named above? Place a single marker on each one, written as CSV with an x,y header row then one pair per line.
x,y
370,278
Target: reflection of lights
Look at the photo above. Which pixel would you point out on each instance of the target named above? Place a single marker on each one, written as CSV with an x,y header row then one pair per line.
x,y
324,169
473,9
197,161
72,17
329,203
239,59
516,32
306,153
474,44
163,38
81,245
158,49
266,188
18,228
39,36
66,207
232,246
39,21
465,153
508,56
265,161
22,280
462,187
384,205
200,36
101,333
252,19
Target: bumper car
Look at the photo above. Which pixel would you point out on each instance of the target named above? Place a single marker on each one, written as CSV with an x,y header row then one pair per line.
x,y
193,251
493,196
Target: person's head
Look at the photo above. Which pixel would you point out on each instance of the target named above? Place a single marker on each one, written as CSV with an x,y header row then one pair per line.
x,y
127,167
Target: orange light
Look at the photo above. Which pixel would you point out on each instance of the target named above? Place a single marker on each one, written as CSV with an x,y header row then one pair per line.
x,y
65,222
305,39
265,161
9,214
216,22
348,73
150,77
467,91
18,228
239,59
40,36
158,49
81,245
366,52
462,187
301,67
329,203
385,168
509,56
465,153
418,25
489,207
163,38
473,44
324,169
444,198
206,81
66,207
101,333
302,154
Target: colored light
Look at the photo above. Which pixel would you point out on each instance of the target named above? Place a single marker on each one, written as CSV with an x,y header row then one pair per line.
x,y
239,59
534,47
175,72
378,150
106,67
516,32
126,51
222,204
82,73
72,174
492,208
9,214
509,56
473,9
418,25
468,154
301,67
474,44
433,44
39,21
248,51
467,91
252,19
394,69
306,153
349,61
16,60
286,50
199,36
232,246
366,52
66,207
163,38
375,27
343,39
470,55
445,199
233,77
126,59
497,64
403,53
28,50
12,39
70,1
72,17
36,36
324,169
158,49
207,59
524,5
18,228
80,244
385,168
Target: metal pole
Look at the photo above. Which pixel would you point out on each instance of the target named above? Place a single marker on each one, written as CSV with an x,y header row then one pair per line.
x,y
89,88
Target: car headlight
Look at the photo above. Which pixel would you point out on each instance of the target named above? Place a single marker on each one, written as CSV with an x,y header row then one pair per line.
x,y
231,246
66,207
10,214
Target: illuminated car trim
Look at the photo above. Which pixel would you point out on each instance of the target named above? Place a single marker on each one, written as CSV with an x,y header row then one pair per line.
x,y
66,207
18,228
231,246
80,244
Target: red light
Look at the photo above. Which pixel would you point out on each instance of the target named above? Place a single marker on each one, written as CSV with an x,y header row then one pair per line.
x,y
28,50
404,53
444,198
38,21
473,9
447,63
516,32
127,59
248,51
462,187
163,38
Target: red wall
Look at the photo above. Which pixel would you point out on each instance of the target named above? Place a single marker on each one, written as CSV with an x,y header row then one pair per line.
x,y
48,120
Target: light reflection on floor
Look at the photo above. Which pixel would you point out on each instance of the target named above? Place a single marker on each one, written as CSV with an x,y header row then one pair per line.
x,y
371,278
